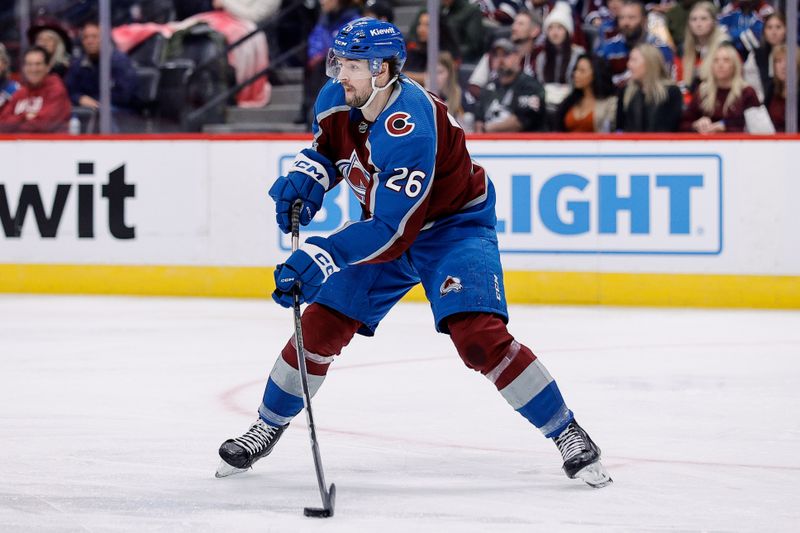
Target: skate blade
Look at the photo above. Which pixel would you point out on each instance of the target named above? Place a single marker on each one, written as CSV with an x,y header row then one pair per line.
x,y
594,475
226,470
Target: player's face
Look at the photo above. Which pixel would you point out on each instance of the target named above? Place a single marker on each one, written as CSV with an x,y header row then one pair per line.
x,y
355,77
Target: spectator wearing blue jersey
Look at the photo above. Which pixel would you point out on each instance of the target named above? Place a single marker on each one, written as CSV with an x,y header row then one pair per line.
x,y
632,32
744,20
514,101
7,86
605,20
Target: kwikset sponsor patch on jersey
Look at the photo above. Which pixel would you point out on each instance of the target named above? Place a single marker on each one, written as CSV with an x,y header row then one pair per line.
x,y
399,124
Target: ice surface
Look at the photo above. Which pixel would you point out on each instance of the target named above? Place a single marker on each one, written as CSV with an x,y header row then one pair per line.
x,y
112,409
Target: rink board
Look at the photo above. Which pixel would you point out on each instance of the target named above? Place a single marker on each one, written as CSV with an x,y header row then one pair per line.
x,y
664,221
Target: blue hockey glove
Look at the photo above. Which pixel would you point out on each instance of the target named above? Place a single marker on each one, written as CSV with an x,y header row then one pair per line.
x,y
310,175
307,268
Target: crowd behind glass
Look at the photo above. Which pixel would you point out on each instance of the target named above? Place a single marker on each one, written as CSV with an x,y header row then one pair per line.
x,y
504,65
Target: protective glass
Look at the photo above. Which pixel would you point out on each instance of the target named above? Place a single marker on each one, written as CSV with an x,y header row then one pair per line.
x,y
351,69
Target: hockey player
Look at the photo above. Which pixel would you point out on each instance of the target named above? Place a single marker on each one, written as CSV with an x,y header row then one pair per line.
x,y
428,216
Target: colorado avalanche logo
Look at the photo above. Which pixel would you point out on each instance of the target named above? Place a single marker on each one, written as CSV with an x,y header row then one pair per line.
x,y
357,182
450,284
398,124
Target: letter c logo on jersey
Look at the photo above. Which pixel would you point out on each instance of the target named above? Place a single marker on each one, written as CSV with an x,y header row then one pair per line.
x,y
398,124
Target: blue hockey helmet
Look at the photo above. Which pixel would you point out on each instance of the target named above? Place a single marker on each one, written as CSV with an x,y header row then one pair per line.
x,y
370,39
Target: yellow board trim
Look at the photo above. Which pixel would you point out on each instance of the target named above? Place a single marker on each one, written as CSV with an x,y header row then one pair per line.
x,y
679,290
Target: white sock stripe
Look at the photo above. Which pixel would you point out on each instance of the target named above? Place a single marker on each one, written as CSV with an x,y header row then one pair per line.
x,y
528,384
311,356
287,378
559,419
272,416
512,352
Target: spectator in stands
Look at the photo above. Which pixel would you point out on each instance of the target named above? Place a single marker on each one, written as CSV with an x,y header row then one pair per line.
x,y
719,103
54,38
500,12
632,31
744,20
677,18
651,101
757,69
41,105
702,36
605,20
514,101
83,77
333,16
7,86
447,85
556,61
775,99
542,8
379,9
417,50
465,22
592,105
525,31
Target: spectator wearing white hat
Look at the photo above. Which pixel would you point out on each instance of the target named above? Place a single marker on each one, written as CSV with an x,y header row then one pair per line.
x,y
554,64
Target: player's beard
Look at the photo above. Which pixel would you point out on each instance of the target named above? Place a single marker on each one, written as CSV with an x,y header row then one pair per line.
x,y
354,98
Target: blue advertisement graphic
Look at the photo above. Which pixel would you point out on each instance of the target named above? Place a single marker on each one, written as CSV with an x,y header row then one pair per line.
x,y
625,203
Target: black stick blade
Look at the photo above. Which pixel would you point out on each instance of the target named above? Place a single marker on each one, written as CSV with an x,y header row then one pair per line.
x,y
326,512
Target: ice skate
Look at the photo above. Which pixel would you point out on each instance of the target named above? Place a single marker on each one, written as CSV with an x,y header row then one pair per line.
x,y
239,454
581,456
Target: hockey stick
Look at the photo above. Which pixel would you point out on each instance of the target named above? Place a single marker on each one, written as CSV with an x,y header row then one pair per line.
x,y
328,496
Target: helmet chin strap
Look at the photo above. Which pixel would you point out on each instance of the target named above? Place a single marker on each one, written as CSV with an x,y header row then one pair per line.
x,y
376,90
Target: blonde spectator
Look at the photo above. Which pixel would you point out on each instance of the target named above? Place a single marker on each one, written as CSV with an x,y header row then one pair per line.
x,y
702,36
651,101
719,102
53,37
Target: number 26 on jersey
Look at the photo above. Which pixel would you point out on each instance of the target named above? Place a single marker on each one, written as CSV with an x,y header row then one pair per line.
x,y
413,182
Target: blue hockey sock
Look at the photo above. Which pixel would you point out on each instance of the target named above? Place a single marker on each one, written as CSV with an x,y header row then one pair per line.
x,y
283,395
535,395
